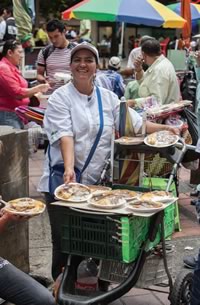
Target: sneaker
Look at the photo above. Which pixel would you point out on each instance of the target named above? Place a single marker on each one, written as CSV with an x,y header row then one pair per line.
x,y
195,193
194,202
190,261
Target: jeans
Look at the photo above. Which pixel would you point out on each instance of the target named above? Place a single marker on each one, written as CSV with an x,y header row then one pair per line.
x,y
195,300
19,288
58,259
10,119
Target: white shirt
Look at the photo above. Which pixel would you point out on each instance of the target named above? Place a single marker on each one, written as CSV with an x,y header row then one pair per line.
x,y
2,29
70,113
132,57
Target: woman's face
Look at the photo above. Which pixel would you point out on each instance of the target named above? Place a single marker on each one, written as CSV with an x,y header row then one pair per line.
x,y
83,66
16,55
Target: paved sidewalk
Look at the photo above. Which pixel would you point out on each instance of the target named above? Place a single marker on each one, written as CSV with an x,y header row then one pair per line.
x,y
40,245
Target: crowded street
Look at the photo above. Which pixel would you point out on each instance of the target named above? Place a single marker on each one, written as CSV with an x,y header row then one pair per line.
x,y
99,152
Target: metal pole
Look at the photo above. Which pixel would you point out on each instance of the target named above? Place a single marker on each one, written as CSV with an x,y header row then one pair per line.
x,y
142,155
37,12
122,41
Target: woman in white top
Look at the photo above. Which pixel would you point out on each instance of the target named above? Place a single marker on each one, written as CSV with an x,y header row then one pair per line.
x,y
72,122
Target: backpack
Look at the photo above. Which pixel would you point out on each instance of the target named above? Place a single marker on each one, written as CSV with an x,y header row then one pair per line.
x,y
48,50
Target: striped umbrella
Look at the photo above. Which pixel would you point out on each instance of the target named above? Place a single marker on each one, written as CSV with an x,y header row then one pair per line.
x,y
145,12
195,10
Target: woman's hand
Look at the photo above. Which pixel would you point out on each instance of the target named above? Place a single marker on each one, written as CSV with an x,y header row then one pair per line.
x,y
69,176
51,81
173,129
154,127
43,87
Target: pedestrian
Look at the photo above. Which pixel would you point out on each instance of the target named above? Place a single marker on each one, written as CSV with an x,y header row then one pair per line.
x,y
191,261
71,34
159,80
55,57
85,31
196,191
116,80
77,113
16,286
2,26
195,295
14,89
11,28
41,37
135,53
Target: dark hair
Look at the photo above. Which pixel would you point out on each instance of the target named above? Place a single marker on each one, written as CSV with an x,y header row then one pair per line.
x,y
10,44
9,10
151,47
113,68
55,24
1,11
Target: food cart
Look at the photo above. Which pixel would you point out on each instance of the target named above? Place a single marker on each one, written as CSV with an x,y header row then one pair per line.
x,y
123,239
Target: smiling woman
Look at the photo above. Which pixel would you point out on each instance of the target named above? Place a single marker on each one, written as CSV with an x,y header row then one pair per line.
x,y
83,67
14,89
79,121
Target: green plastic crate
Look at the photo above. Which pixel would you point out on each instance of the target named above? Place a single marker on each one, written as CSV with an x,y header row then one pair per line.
x,y
135,232
168,225
100,236
91,235
161,184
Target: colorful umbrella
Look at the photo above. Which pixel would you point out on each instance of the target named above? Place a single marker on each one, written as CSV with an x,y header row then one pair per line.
x,y
195,10
145,12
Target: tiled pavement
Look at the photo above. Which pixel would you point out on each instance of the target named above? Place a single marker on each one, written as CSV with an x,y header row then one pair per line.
x,y
187,237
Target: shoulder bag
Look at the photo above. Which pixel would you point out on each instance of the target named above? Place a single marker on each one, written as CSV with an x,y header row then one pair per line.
x,y
56,171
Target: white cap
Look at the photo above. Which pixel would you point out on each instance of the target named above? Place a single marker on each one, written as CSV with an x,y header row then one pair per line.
x,y
114,62
87,46
193,44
